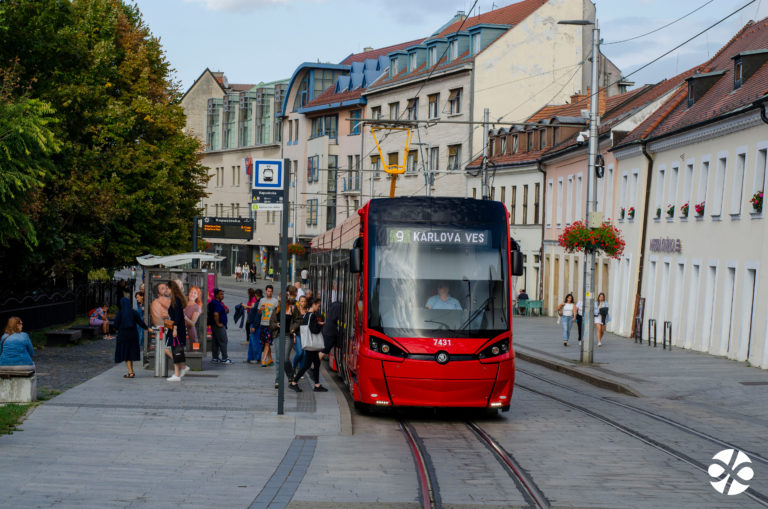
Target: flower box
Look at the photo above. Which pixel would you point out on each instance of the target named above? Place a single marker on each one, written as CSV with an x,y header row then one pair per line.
x,y
757,201
605,239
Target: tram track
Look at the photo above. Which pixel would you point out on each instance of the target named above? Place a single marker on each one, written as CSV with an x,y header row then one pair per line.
x,y
429,488
652,415
757,496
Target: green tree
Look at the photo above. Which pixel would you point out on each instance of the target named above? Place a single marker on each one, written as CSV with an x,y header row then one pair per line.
x,y
26,143
127,180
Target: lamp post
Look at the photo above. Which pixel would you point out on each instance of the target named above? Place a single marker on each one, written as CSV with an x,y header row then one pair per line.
x,y
593,220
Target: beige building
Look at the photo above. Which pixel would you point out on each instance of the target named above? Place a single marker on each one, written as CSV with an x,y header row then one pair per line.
x,y
699,245
237,125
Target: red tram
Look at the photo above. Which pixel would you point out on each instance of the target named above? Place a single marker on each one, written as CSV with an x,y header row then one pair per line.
x,y
425,288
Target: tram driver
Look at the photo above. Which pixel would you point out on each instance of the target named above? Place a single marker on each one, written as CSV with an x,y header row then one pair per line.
x,y
443,299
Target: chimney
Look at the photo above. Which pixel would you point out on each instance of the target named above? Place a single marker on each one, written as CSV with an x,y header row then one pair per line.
x,y
461,16
367,49
578,97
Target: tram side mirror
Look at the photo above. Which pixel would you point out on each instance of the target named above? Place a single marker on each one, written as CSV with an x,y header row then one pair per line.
x,y
517,263
355,260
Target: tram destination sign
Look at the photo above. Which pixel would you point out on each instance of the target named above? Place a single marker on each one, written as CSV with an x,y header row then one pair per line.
x,y
227,228
438,237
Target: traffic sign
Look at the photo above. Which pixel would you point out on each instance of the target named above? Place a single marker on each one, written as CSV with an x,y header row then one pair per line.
x,y
267,187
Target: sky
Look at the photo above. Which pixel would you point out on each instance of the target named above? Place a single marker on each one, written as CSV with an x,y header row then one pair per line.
x,y
265,40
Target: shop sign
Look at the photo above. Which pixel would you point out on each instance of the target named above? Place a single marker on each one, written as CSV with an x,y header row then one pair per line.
x,y
666,246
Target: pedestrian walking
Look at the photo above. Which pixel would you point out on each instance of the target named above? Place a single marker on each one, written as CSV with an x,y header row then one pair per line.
x,y
246,270
15,346
304,276
331,329
579,319
267,305
298,316
602,317
248,305
254,326
567,311
238,272
272,274
176,338
217,320
311,357
127,348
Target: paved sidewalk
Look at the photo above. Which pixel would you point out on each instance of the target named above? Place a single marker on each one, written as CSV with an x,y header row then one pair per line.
x,y
625,366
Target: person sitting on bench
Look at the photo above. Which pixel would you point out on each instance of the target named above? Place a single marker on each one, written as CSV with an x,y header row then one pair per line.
x,y
15,346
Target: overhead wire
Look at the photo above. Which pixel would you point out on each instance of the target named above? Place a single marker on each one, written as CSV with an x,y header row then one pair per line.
x,y
660,28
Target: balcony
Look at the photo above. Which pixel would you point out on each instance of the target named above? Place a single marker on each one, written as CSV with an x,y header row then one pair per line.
x,y
351,184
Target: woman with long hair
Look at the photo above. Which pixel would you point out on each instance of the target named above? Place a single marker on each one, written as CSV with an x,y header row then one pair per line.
x,y
15,346
192,312
176,339
311,357
601,317
127,344
567,312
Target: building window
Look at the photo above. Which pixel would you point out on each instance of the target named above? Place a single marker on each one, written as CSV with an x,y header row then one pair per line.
x,y
454,47
737,73
434,105
413,108
413,59
325,126
454,101
246,119
434,159
719,187
525,204
454,157
514,144
376,113
760,169
394,111
412,161
738,184
703,182
313,169
393,159
550,190
375,166
476,44
512,204
691,94
559,205
503,149
542,139
214,127
312,207
354,127
236,176
432,56
394,65
536,198
530,140
296,130
672,186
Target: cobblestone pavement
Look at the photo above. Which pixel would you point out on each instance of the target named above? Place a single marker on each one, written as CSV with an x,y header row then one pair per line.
x,y
61,368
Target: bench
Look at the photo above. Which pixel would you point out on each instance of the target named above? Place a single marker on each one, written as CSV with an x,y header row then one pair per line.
x,y
88,331
62,337
18,384
535,306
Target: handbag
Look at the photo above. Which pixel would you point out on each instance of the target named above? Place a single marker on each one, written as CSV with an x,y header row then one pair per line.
x,y
310,341
177,349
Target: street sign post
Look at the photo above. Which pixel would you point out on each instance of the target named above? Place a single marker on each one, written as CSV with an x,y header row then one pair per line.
x,y
268,185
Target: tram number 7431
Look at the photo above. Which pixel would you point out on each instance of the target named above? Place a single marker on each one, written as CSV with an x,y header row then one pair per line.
x,y
442,342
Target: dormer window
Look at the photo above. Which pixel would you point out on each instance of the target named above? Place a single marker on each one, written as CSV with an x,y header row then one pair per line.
x,y
476,44
737,72
432,56
542,138
530,140
747,63
691,94
503,145
514,144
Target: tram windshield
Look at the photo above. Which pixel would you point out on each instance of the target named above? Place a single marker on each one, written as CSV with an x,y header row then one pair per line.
x,y
438,281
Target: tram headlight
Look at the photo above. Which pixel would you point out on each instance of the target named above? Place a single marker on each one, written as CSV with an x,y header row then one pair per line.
x,y
496,349
380,346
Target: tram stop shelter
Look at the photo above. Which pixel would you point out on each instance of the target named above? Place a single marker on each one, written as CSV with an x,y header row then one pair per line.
x,y
195,284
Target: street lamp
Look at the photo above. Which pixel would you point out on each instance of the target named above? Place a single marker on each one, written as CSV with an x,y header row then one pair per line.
x,y
593,221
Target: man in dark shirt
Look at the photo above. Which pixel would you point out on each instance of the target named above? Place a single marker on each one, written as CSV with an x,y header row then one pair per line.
x,y
523,295
331,329
219,327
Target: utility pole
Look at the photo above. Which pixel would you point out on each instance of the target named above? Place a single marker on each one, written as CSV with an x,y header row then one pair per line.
x,y
484,192
294,182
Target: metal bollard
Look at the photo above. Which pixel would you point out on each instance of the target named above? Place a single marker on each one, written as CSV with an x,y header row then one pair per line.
x,y
638,330
667,335
652,323
161,366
